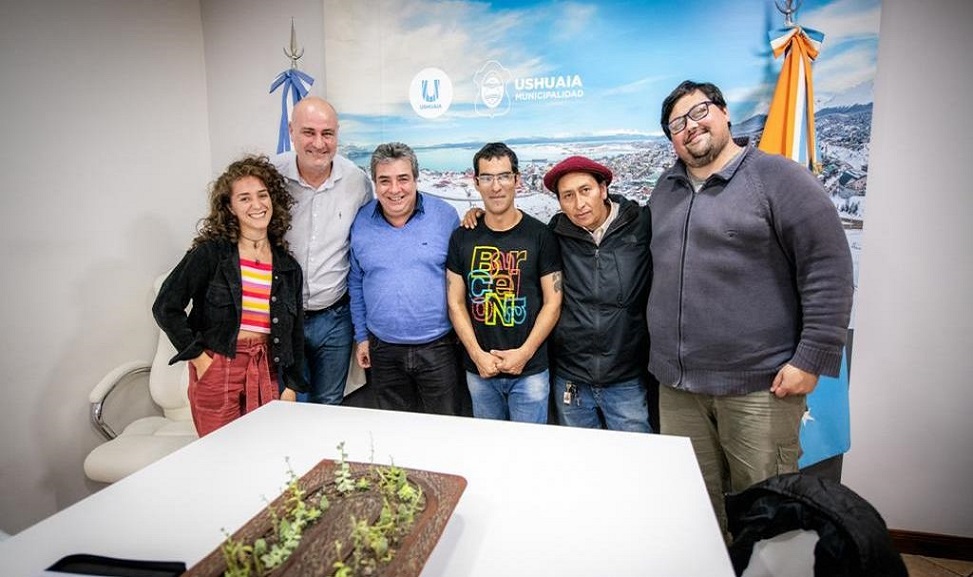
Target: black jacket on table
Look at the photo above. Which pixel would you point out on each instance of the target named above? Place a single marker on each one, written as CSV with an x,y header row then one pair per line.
x,y
209,277
601,337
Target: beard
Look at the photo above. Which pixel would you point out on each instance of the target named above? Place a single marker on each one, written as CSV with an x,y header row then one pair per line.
x,y
704,152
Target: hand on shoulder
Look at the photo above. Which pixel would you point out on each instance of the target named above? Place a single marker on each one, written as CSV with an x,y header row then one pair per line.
x,y
471,216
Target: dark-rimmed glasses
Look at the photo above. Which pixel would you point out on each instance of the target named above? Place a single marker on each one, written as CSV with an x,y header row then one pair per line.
x,y
696,113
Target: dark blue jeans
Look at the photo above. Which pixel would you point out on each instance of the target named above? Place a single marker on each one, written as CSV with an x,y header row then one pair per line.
x,y
328,337
417,378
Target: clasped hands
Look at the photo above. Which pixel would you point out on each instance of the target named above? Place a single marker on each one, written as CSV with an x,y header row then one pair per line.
x,y
492,363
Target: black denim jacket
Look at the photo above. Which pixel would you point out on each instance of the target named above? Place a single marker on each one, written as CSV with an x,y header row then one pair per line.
x,y
209,277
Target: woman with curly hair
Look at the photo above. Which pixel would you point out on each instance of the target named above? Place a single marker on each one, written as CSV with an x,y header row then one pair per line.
x,y
246,320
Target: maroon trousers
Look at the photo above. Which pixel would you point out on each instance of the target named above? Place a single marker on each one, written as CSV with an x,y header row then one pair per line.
x,y
232,387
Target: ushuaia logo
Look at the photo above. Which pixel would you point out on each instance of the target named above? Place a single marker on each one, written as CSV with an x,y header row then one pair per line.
x,y
431,93
548,88
491,95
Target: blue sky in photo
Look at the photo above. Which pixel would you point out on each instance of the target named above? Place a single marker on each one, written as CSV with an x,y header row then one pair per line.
x,y
628,55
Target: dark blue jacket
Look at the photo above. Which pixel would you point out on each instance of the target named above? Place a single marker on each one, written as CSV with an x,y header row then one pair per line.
x,y
209,277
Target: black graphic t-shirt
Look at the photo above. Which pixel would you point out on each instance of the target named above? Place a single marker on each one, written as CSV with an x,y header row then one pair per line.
x,y
503,271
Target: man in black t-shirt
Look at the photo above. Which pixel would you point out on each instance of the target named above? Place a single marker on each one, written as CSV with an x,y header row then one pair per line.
x,y
503,284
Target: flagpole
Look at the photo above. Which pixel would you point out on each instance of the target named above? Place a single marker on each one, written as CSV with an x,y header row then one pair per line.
x,y
295,84
788,10
789,131
295,53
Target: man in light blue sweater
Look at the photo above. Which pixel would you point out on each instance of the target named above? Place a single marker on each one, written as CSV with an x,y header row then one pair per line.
x,y
397,285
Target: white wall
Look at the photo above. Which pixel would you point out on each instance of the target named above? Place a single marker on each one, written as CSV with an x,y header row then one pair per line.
x,y
912,426
105,157
83,243
244,42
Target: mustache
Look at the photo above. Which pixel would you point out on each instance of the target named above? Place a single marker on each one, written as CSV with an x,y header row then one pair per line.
x,y
691,132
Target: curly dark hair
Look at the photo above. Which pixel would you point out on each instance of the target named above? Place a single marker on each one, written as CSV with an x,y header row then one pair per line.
x,y
221,224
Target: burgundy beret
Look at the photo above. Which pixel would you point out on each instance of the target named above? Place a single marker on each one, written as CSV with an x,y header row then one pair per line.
x,y
576,164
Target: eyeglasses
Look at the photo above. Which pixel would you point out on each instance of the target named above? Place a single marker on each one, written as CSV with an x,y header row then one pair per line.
x,y
696,113
504,178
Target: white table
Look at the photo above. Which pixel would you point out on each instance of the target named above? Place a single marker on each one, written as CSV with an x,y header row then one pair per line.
x,y
541,500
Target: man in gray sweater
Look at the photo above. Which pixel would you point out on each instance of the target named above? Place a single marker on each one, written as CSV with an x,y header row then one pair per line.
x,y
751,296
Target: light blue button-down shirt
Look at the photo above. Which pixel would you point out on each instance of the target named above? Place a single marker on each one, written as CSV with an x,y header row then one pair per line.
x,y
398,274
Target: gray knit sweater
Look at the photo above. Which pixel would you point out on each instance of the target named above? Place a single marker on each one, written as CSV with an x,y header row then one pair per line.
x,y
751,272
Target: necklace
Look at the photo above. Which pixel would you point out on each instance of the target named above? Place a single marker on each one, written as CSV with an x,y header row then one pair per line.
x,y
255,241
259,246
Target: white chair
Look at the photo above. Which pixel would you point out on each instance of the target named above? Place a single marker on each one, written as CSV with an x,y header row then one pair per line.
x,y
148,438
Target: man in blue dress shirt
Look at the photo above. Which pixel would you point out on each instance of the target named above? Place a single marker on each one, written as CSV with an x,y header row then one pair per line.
x,y
397,284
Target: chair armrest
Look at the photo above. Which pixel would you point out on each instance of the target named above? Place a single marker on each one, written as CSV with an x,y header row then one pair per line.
x,y
104,388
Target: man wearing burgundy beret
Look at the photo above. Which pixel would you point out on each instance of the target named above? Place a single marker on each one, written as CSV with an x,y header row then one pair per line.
x,y
600,345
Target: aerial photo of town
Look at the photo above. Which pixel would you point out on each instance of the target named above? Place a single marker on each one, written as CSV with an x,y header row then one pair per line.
x,y
843,139
843,136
